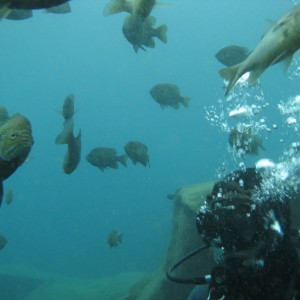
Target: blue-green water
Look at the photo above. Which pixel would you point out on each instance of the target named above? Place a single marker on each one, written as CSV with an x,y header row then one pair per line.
x,y
59,222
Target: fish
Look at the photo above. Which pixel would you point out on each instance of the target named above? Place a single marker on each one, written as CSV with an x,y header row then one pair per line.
x,y
73,154
8,198
141,32
167,94
68,107
114,238
3,241
137,152
3,115
59,9
66,134
30,4
232,55
278,44
244,141
104,158
142,8
15,144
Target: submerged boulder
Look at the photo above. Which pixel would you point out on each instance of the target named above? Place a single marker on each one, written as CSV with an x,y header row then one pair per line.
x,y
184,239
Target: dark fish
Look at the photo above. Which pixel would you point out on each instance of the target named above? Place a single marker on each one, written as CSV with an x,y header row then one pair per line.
x,y
167,94
72,157
3,115
137,152
30,4
232,55
15,144
67,133
244,141
140,8
114,238
68,107
104,158
3,241
19,14
279,43
60,9
141,33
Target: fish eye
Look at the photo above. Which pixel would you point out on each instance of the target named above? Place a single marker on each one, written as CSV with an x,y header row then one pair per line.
x,y
13,135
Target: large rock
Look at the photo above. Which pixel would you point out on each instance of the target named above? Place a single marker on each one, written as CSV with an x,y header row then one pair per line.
x,y
22,281
184,239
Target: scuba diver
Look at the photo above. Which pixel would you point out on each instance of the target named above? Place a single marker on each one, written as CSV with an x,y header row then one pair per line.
x,y
251,234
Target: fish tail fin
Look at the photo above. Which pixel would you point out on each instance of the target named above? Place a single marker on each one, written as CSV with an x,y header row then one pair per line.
x,y
232,74
122,160
117,6
186,101
161,33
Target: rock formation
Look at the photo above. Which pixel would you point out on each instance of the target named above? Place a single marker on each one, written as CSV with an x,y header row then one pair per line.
x,y
184,239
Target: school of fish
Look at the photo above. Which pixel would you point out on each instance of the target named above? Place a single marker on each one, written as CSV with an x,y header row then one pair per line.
x,y
278,44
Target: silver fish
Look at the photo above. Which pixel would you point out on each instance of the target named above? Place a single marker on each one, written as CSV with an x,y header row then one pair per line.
x,y
279,43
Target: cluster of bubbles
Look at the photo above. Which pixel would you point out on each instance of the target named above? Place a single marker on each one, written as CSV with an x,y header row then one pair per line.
x,y
282,179
242,104
242,112
279,180
291,112
245,108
